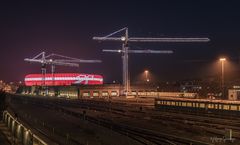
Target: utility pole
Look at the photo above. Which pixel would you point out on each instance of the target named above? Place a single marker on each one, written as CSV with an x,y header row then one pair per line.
x,y
222,60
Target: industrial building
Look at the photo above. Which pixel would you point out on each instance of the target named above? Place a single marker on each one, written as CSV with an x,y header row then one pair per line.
x,y
98,91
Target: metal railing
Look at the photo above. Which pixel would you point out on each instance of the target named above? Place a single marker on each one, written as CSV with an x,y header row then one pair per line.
x,y
20,133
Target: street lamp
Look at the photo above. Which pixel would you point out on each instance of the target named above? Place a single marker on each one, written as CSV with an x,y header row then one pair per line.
x,y
222,60
146,75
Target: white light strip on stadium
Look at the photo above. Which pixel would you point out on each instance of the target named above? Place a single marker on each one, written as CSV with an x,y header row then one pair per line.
x,y
64,78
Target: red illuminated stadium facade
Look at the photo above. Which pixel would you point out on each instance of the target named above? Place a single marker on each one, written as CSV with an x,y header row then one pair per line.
x,y
63,79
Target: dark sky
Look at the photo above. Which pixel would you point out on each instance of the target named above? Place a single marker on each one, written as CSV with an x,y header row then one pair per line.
x,y
30,27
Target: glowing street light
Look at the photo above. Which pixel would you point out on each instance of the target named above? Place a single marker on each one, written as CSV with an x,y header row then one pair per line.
x,y
222,60
146,75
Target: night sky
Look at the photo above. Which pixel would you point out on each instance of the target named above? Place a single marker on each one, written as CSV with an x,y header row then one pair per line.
x,y
30,27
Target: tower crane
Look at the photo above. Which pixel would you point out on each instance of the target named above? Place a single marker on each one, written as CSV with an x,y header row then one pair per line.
x,y
56,59
125,49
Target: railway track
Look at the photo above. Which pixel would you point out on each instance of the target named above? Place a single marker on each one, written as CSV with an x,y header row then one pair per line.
x,y
202,120
139,134
214,126
199,119
146,136
125,111
44,131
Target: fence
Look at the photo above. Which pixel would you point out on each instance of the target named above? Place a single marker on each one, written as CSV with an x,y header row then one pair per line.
x,y
21,134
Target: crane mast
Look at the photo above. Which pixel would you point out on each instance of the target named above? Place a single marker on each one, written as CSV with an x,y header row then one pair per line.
x,y
125,50
53,60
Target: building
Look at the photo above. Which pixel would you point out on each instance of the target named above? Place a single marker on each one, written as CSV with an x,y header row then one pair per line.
x,y
62,79
234,93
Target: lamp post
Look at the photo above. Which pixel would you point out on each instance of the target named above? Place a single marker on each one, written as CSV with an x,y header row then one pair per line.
x,y
146,75
222,60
